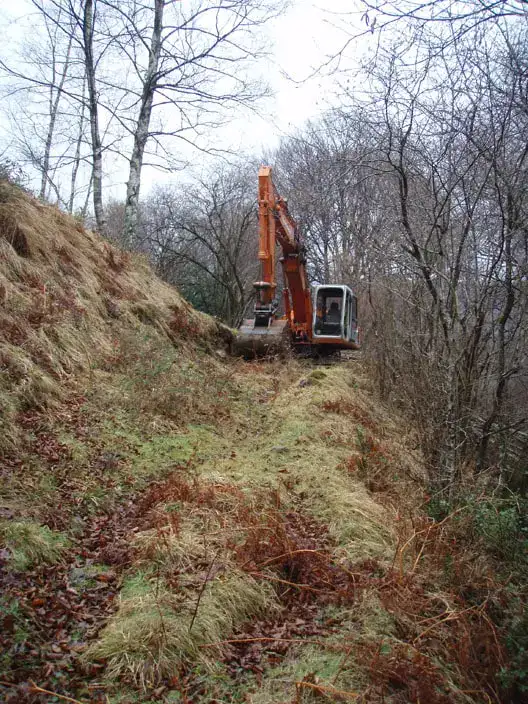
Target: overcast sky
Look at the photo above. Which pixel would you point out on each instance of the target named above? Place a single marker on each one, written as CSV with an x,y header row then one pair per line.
x,y
301,40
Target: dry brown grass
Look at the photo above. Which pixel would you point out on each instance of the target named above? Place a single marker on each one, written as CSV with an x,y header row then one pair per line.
x,y
64,295
156,629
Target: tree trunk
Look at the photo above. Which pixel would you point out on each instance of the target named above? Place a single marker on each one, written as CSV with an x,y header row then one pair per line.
x,y
84,210
54,108
502,374
142,129
77,158
97,151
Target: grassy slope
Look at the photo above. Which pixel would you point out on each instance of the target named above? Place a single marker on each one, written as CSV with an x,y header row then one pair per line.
x,y
159,500
65,293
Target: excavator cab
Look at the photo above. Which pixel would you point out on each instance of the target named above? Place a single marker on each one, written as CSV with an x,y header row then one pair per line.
x,y
335,317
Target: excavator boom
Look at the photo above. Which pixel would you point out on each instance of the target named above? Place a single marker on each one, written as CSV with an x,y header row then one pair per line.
x,y
266,332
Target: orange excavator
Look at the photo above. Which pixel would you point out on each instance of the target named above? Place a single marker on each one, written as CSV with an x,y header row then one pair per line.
x,y
319,324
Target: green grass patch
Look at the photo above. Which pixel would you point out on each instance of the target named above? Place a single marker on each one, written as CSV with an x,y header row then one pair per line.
x,y
219,686
78,450
31,544
332,670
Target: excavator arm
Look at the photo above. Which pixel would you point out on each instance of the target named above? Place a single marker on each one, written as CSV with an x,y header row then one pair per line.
x,y
276,225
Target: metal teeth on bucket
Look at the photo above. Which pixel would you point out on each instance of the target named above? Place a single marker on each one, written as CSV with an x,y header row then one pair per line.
x,y
252,342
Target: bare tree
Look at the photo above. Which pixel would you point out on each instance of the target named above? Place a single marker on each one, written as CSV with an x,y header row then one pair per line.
x,y
78,156
56,87
452,141
326,170
141,134
189,65
87,21
203,238
463,17
44,72
46,96
152,71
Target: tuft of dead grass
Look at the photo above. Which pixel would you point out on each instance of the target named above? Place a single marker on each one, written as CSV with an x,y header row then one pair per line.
x,y
156,630
31,544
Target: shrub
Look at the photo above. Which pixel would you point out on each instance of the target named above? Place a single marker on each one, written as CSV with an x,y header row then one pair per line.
x,y
499,524
12,172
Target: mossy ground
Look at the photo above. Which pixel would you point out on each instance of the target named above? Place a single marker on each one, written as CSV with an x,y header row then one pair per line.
x,y
278,507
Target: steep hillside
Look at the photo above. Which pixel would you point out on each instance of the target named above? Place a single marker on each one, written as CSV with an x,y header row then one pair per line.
x,y
178,526
65,294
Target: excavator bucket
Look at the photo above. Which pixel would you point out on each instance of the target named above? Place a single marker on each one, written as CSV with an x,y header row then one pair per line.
x,y
254,341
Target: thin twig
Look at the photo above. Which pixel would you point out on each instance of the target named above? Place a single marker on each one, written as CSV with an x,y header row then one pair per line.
x,y
477,691
494,631
290,554
206,579
424,543
270,640
289,584
327,689
451,616
400,551
39,690
341,665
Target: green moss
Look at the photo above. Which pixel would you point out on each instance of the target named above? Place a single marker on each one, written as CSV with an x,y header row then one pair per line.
x,y
317,374
85,577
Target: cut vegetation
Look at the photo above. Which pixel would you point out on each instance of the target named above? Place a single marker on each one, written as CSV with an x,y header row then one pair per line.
x,y
181,527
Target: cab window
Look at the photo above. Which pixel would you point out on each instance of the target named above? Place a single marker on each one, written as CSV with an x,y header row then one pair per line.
x,y
329,312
